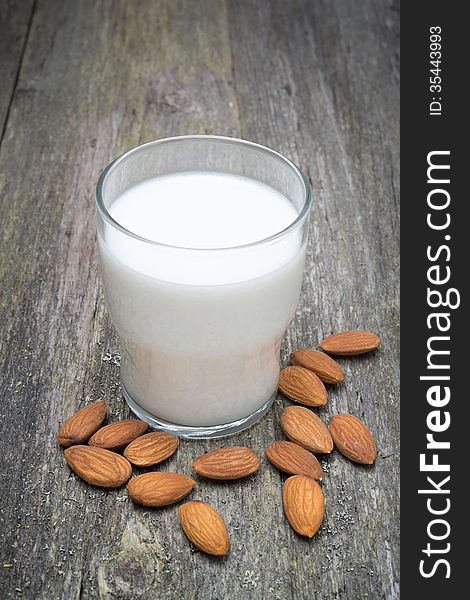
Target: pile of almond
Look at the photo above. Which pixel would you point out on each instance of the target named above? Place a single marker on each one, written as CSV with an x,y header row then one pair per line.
x,y
104,455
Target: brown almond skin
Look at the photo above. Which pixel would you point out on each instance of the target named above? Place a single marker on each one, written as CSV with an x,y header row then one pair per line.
x,y
304,504
294,460
116,436
159,489
327,369
353,439
98,466
302,386
82,425
305,428
232,462
350,343
151,448
204,527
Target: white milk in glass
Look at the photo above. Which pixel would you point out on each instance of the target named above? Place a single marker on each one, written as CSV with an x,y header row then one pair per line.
x,y
201,313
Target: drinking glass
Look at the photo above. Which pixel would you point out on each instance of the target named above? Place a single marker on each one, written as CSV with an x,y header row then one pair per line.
x,y
200,341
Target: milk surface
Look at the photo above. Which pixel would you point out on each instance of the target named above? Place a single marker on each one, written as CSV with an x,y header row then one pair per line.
x,y
203,210
201,321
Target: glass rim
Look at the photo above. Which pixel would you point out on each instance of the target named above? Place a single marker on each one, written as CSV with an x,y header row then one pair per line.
x,y
296,223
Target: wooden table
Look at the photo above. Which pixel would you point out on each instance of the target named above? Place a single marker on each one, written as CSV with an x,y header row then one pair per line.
x,y
83,81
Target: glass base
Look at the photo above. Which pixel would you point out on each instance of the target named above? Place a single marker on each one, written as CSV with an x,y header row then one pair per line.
x,y
201,432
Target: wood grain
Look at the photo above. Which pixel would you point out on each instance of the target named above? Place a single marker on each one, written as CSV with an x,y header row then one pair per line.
x,y
15,23
87,80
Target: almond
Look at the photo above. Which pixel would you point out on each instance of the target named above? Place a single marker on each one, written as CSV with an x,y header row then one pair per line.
x,y
204,527
151,448
98,466
83,424
303,427
227,463
304,504
303,386
327,369
159,489
350,343
293,459
353,439
118,435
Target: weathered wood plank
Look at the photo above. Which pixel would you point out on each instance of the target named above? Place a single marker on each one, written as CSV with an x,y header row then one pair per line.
x,y
318,81
15,21
330,102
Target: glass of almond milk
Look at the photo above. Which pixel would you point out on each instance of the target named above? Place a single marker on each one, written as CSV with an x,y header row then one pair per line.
x,y
202,245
